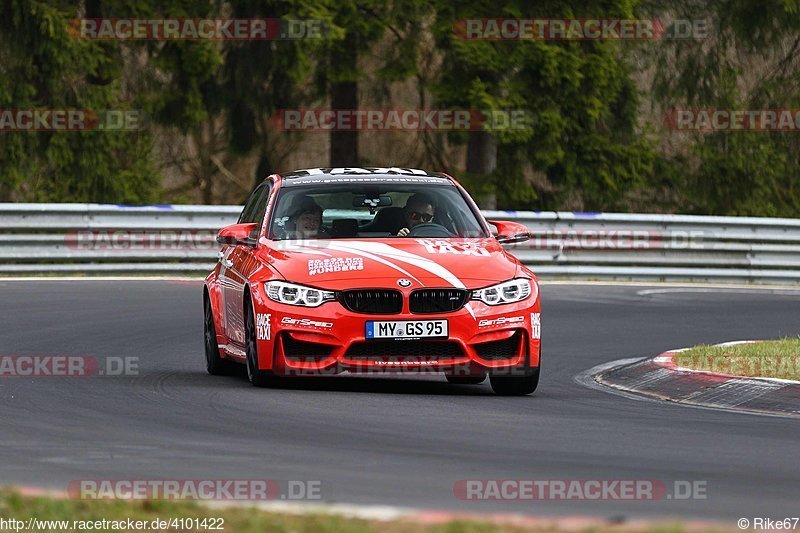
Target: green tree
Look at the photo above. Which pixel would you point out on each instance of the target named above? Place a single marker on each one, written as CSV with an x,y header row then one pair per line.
x,y
180,84
749,60
43,66
260,78
361,24
581,137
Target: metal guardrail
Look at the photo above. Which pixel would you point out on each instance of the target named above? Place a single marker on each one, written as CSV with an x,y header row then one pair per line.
x,y
110,239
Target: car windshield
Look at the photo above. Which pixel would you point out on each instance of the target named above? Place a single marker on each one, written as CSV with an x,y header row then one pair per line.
x,y
370,210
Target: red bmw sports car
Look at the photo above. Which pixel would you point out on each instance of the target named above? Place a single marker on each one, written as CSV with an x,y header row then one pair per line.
x,y
371,270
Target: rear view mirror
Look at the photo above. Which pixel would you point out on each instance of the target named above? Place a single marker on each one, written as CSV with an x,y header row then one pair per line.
x,y
510,232
236,234
372,201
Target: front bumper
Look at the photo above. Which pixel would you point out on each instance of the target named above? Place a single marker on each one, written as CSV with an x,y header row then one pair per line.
x,y
331,339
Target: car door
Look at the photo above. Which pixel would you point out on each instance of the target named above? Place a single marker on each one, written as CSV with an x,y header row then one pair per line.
x,y
235,266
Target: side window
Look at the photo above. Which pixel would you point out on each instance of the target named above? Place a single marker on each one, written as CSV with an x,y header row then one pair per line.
x,y
250,205
261,209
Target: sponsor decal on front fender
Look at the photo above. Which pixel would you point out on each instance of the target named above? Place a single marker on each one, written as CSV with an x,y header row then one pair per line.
x,y
305,322
263,326
502,321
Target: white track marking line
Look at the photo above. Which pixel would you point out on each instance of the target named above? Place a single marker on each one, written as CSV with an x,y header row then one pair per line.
x,y
721,290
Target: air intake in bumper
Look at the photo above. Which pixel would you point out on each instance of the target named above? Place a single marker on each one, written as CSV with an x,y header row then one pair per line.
x,y
380,350
502,349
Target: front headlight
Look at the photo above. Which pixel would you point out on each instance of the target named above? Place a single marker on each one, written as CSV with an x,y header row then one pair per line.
x,y
293,294
504,293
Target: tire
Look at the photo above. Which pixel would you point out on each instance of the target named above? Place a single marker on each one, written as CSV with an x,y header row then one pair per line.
x,y
259,378
515,385
215,365
466,380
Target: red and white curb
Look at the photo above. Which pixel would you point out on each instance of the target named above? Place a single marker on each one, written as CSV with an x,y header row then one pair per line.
x,y
660,378
667,360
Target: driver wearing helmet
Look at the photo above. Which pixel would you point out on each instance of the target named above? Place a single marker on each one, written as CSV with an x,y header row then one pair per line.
x,y
420,209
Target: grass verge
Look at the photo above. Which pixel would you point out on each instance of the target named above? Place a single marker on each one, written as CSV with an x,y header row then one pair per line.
x,y
85,515
768,359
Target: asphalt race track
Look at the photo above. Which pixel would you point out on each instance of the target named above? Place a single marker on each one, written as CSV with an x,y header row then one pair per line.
x,y
401,442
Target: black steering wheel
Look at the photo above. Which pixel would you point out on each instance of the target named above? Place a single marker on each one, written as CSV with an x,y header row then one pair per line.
x,y
429,230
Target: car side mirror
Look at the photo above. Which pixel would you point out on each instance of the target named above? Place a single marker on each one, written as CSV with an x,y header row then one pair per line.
x,y
236,234
510,232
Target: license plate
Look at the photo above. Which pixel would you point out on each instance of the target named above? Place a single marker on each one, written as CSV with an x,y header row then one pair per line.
x,y
406,329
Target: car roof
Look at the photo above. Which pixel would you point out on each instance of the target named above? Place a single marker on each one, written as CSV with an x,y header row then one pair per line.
x,y
364,175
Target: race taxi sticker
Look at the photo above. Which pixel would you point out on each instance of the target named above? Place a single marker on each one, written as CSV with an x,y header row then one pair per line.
x,y
444,247
536,325
263,326
334,264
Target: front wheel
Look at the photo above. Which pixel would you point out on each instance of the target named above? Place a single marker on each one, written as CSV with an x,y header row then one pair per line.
x,y
257,377
515,385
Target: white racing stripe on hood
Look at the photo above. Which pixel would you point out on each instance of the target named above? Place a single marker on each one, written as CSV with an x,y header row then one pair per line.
x,y
385,250
469,308
367,255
